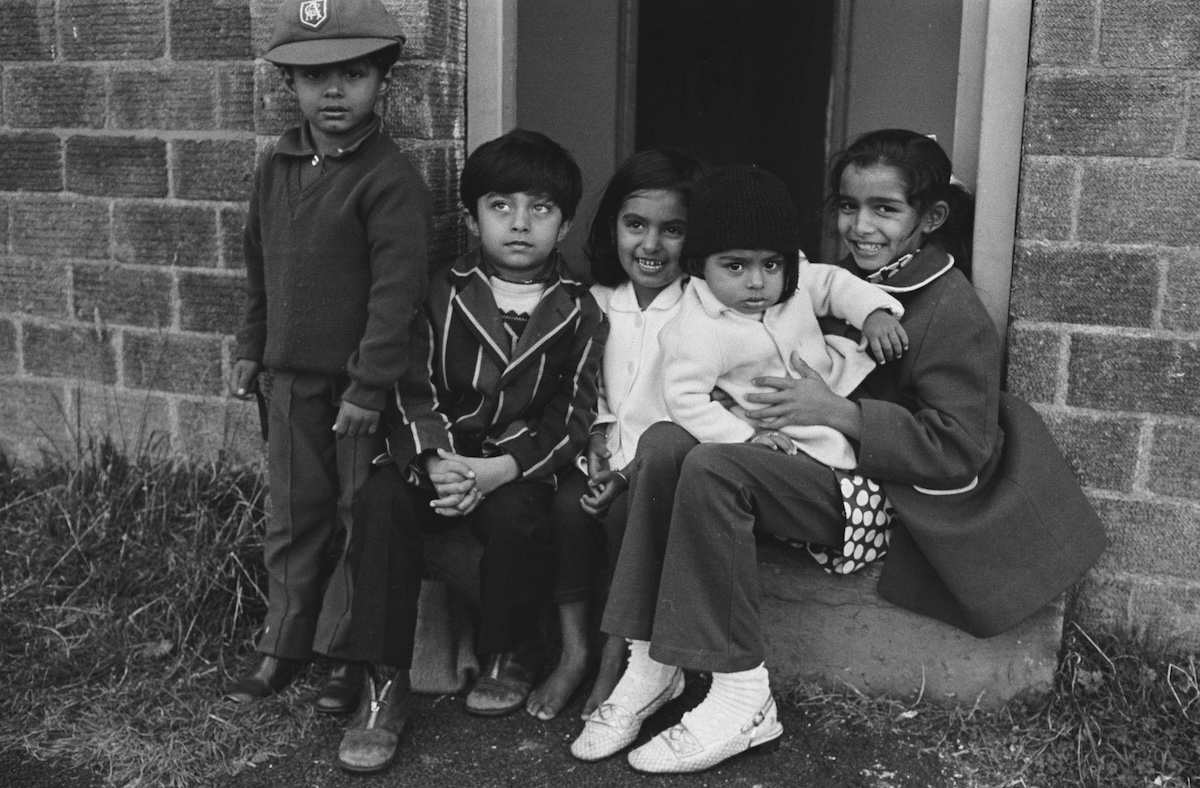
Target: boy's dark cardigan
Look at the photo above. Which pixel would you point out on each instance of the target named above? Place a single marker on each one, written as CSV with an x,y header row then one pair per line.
x,y
336,270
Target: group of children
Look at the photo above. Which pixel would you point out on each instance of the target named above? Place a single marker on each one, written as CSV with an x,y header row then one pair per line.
x,y
497,392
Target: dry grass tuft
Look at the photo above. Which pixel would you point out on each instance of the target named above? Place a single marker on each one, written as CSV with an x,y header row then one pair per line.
x,y
125,584
1124,713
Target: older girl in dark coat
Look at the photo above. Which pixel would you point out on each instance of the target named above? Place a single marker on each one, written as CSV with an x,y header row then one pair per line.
x,y
992,524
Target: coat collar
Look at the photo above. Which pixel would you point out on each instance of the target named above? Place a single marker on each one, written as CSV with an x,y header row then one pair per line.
x,y
930,262
553,314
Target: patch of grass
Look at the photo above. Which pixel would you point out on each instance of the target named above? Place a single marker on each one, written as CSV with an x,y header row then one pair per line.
x,y
125,584
128,584
1124,713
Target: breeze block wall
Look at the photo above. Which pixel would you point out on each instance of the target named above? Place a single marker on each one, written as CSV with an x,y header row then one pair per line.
x,y
128,138
1105,332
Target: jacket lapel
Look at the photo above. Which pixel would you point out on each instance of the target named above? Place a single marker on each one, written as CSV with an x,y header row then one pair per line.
x,y
554,315
476,306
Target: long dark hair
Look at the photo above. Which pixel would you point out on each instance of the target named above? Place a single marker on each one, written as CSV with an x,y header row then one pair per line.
x,y
666,169
926,171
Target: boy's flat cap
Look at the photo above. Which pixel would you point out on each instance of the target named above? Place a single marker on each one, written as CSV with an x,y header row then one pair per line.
x,y
317,32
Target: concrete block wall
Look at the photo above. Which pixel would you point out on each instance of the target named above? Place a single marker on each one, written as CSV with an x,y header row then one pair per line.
x,y
129,132
1105,332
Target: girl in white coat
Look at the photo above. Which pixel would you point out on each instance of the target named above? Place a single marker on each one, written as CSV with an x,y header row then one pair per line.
x,y
634,246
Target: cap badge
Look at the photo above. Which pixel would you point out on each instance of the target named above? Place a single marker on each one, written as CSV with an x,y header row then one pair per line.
x,y
314,13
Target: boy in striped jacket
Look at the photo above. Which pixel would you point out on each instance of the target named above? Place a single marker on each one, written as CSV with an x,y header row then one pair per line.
x,y
493,421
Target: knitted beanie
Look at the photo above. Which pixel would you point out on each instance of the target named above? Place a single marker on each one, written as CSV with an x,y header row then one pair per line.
x,y
740,207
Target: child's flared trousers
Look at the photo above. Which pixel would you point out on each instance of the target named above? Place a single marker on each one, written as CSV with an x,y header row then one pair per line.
x,y
687,575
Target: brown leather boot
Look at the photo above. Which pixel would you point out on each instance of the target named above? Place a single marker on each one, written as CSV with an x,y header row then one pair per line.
x,y
369,744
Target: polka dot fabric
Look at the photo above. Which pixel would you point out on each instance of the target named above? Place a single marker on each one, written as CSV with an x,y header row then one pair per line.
x,y
869,516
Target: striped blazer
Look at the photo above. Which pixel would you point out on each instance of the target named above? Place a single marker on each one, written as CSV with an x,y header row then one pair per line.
x,y
476,396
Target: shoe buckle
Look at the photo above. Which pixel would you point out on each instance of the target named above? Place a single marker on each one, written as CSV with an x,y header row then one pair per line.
x,y
755,721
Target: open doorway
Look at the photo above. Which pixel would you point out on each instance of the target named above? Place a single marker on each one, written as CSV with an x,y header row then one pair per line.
x,y
741,82
606,78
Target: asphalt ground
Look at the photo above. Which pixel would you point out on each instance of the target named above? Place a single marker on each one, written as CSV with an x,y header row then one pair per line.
x,y
443,747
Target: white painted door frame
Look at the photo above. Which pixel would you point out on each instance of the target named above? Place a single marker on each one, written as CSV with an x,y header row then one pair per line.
x,y
989,117
993,57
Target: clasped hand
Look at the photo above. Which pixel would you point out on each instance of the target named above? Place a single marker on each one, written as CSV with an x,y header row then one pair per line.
x,y
604,484
462,482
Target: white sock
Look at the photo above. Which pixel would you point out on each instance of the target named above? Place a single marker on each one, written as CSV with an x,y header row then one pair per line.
x,y
732,701
643,679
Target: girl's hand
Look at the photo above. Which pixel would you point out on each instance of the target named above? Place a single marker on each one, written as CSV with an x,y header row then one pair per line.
x,y
775,440
722,398
597,455
803,401
604,490
353,421
884,335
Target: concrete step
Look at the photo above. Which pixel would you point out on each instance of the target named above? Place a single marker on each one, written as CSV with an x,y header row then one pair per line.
x,y
838,632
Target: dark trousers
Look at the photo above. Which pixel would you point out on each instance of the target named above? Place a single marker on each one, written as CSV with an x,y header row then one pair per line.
x,y
314,478
687,575
516,571
578,543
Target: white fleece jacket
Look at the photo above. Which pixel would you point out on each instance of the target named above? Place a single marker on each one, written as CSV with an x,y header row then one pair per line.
x,y
709,345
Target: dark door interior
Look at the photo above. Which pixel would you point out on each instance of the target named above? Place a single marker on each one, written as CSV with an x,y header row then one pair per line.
x,y
741,81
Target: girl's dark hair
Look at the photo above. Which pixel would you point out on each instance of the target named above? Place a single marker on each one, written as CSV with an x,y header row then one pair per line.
x,y
667,169
926,170
522,161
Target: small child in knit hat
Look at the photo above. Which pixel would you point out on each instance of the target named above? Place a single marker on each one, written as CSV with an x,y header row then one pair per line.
x,y
751,311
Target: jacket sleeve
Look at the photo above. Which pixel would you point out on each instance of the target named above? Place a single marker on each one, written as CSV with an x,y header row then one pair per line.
x,y
545,443
837,292
950,374
692,366
398,222
252,336
415,423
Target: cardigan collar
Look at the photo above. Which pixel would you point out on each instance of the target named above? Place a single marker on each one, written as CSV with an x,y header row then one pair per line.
x,y
923,267
710,303
299,141
625,300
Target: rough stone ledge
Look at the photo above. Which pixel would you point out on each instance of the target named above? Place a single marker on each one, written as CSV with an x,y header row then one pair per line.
x,y
839,632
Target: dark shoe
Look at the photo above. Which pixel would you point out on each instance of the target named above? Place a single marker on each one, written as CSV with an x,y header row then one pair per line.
x,y
369,744
271,675
504,686
342,688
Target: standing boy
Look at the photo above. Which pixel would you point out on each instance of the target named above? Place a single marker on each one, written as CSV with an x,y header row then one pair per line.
x,y
516,345
336,265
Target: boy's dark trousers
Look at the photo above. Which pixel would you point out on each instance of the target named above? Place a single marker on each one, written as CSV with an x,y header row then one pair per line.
x,y
513,524
314,478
